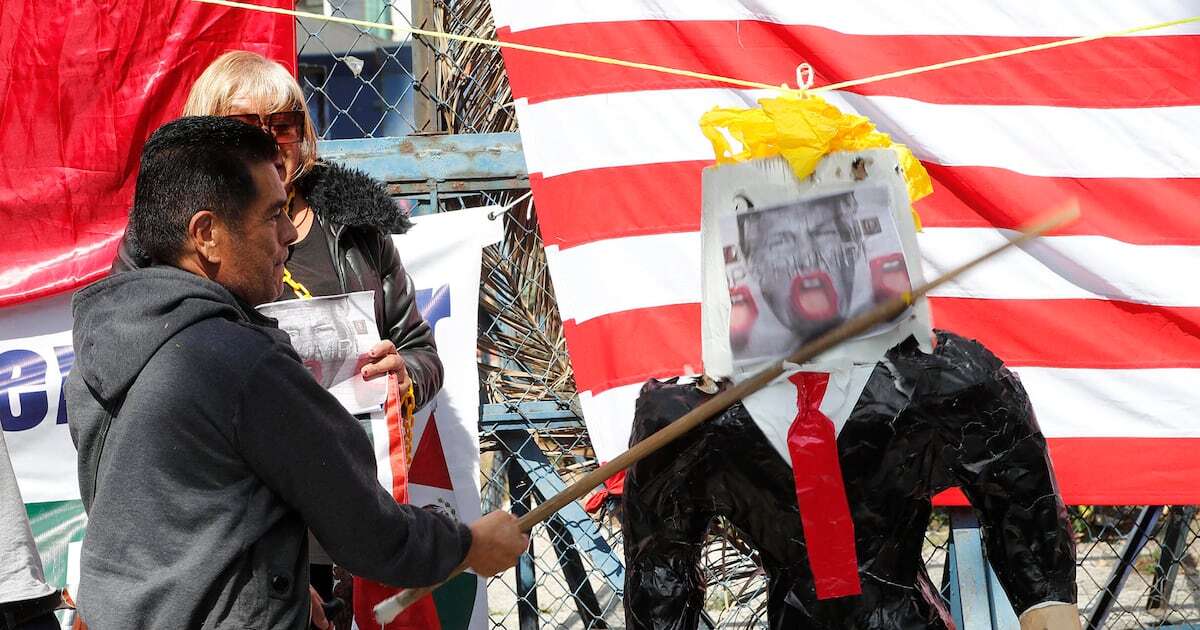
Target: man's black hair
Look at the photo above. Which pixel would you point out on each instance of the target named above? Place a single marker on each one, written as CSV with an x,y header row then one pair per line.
x,y
192,164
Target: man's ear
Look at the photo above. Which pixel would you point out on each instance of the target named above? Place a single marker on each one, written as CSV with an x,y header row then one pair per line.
x,y
205,230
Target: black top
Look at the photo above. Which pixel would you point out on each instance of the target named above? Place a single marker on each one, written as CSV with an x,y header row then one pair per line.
x,y
312,266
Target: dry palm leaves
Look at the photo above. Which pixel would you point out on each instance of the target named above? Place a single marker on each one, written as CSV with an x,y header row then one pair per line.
x,y
523,355
473,91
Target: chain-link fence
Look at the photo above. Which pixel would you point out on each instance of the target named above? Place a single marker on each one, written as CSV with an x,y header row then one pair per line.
x,y
1137,566
372,83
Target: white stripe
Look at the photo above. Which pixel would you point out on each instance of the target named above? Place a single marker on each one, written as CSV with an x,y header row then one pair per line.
x,y
1050,18
654,126
609,418
1060,267
381,444
621,274
1144,403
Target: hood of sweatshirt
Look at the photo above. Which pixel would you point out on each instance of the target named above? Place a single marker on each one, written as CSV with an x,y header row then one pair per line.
x,y
121,321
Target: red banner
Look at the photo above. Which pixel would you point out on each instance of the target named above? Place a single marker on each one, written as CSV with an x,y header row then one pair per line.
x,y
82,85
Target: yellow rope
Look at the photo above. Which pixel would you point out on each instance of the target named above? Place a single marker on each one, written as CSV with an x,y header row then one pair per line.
x,y
491,42
688,73
1003,53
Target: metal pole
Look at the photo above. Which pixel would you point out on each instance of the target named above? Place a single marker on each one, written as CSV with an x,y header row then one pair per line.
x,y
1173,547
425,69
1133,546
520,491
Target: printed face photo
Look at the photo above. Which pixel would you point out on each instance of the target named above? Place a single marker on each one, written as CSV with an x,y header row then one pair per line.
x,y
324,338
797,270
332,336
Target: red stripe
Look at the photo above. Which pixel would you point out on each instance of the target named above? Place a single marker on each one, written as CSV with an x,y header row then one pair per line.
x,y
634,346
643,344
1142,211
397,453
1063,333
1116,72
631,346
595,204
1120,471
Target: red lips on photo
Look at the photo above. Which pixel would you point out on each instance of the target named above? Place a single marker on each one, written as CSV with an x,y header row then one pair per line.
x,y
813,297
889,277
742,315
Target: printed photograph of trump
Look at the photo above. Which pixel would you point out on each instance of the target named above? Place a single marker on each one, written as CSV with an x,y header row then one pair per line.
x,y
799,269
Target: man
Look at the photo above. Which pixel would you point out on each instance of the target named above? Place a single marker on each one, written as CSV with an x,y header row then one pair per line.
x,y
205,448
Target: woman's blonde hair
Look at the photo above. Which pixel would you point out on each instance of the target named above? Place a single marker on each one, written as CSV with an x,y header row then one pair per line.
x,y
266,83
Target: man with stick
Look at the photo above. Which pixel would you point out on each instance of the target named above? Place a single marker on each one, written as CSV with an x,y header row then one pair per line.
x,y
206,450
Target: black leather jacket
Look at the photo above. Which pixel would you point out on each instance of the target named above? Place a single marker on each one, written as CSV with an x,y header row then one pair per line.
x,y
358,216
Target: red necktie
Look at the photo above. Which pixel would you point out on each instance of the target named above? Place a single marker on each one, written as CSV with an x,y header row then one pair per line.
x,y
820,492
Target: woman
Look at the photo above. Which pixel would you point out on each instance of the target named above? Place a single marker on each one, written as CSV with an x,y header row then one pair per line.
x,y
343,219
342,216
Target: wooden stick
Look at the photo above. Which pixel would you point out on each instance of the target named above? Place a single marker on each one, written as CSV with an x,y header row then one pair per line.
x,y
389,608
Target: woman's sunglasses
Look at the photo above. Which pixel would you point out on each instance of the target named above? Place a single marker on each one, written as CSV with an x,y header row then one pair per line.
x,y
286,127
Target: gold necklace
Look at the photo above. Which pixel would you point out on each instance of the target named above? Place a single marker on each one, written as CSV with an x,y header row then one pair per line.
x,y
300,290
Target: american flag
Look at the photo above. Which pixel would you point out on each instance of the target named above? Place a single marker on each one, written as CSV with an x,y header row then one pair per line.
x,y
1099,319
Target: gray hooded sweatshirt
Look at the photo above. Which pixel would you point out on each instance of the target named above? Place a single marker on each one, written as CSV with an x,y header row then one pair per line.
x,y
205,452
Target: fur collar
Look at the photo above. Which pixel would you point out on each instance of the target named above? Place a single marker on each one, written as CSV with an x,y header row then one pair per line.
x,y
343,195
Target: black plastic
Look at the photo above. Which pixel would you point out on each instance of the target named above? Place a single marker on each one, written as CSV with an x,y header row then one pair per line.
x,y
924,423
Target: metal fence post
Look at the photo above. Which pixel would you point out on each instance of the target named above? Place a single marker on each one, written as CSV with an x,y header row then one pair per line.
x,y
526,574
1174,547
1137,540
426,118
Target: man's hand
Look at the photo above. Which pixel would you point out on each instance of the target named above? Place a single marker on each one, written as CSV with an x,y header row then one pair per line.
x,y
496,543
316,614
384,358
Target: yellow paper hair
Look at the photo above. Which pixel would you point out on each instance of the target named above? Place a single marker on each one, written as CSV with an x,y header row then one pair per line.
x,y
803,130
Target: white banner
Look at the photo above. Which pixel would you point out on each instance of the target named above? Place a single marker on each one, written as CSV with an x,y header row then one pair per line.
x,y
443,254
35,358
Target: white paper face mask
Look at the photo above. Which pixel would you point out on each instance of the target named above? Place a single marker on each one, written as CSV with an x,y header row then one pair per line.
x,y
787,260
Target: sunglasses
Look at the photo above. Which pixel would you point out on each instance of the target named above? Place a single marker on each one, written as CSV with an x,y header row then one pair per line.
x,y
286,127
